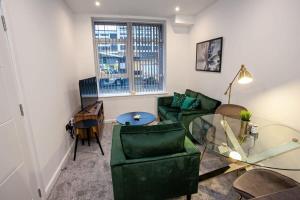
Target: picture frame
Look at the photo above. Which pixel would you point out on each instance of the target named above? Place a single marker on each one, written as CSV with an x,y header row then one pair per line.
x,y
209,55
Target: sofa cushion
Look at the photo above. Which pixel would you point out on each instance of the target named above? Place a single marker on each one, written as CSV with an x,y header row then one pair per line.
x,y
165,109
172,116
151,141
191,93
196,104
188,101
208,103
177,100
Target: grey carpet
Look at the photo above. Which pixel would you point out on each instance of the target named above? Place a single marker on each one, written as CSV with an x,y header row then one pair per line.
x,y
89,177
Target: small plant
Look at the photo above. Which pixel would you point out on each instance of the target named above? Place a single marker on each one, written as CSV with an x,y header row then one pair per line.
x,y
245,115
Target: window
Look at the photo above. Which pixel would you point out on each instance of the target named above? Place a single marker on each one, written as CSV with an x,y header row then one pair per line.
x,y
129,57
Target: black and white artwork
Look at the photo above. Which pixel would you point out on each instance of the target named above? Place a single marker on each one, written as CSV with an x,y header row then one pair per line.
x,y
209,55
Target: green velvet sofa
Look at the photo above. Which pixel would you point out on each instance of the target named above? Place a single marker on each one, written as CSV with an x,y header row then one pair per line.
x,y
138,170
166,112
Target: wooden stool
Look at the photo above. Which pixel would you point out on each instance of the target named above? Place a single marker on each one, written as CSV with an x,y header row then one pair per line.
x,y
88,125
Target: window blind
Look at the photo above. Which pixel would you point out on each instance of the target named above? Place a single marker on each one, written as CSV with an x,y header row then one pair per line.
x,y
147,57
111,49
129,57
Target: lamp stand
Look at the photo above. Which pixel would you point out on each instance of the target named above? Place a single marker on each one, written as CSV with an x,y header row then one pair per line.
x,y
228,91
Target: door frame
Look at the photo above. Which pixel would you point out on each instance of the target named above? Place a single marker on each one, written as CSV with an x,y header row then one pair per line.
x,y
25,122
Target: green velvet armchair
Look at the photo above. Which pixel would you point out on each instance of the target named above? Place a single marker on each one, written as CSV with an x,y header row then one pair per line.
x,y
166,112
153,162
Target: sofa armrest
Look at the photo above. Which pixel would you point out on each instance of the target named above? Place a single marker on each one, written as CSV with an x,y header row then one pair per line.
x,y
184,113
117,154
164,101
190,147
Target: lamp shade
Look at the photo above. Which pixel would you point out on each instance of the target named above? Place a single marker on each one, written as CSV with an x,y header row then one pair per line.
x,y
245,76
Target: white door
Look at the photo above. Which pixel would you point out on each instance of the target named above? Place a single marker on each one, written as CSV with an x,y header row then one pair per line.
x,y
16,175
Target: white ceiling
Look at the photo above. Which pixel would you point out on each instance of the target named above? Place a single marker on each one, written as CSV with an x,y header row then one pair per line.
x,y
153,8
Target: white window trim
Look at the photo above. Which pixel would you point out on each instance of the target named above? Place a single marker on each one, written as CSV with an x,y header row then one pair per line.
x,y
131,20
132,95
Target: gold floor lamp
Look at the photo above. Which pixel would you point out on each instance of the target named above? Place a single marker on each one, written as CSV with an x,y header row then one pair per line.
x,y
244,77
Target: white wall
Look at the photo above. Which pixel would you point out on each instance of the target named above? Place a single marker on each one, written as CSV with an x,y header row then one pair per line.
x,y
263,35
176,61
43,43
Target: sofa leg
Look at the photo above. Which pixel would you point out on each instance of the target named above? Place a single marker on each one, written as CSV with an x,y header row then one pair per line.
x,y
188,197
158,119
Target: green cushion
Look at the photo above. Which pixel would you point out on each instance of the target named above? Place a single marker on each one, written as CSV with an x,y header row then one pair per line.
x,y
177,100
188,101
191,93
151,141
208,103
195,105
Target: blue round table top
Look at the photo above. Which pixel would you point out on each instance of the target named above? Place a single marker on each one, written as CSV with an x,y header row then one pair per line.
x,y
145,118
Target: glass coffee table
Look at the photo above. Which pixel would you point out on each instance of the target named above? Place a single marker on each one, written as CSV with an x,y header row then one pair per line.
x,y
128,118
275,146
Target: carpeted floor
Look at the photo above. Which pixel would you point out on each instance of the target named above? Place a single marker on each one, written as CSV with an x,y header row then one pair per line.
x,y
89,177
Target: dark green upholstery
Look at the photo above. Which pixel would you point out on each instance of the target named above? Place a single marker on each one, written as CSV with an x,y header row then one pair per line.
x,y
166,122
187,103
177,100
153,178
150,141
166,112
165,109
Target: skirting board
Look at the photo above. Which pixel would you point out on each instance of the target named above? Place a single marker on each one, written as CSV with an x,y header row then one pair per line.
x,y
109,121
57,172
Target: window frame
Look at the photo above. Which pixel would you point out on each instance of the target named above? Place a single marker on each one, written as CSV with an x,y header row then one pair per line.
x,y
130,74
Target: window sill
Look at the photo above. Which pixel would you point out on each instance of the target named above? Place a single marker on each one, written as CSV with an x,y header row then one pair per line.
x,y
133,95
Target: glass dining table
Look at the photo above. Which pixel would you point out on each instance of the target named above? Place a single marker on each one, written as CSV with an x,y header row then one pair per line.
x,y
274,145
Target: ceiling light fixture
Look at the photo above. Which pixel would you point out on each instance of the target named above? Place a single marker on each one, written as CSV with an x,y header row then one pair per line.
x,y
97,3
177,8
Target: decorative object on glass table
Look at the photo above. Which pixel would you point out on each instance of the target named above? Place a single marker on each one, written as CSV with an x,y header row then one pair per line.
x,y
245,115
244,130
254,129
250,141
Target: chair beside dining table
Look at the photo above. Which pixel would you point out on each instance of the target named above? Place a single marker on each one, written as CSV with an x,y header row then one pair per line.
x,y
288,194
230,110
260,182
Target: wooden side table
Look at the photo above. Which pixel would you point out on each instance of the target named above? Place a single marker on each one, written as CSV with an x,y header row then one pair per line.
x,y
96,112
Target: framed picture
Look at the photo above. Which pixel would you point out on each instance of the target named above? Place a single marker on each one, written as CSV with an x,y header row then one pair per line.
x,y
209,55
